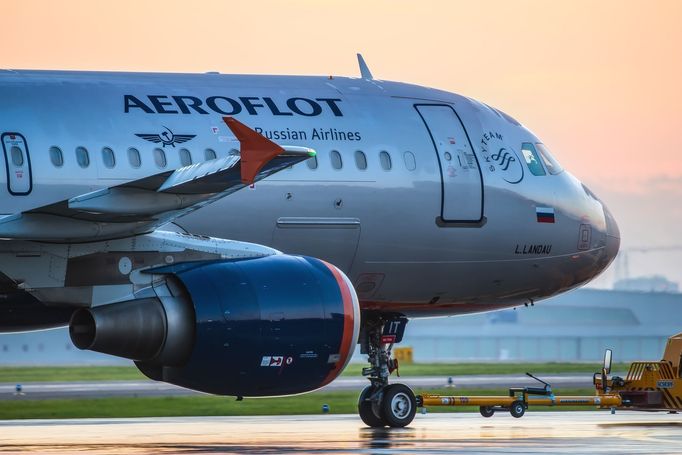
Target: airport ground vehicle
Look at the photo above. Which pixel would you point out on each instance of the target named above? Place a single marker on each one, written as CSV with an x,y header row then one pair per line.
x,y
648,386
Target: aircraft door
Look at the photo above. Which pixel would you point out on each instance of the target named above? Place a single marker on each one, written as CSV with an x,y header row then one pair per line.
x,y
461,180
17,164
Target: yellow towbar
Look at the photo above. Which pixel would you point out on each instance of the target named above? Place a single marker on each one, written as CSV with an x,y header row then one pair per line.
x,y
520,398
517,405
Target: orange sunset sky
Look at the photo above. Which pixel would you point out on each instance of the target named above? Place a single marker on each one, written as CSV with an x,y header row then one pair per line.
x,y
598,81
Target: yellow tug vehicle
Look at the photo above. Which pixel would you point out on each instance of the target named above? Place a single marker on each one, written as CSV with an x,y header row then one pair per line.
x,y
648,386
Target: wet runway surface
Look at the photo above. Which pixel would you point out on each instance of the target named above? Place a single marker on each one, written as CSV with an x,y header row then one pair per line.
x,y
540,432
100,389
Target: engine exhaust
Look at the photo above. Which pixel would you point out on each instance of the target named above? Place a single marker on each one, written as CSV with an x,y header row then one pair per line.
x,y
149,330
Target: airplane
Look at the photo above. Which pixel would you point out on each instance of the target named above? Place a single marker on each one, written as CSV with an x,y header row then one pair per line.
x,y
240,234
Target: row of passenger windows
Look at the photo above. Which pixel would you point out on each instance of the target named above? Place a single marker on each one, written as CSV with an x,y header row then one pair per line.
x,y
160,159
385,160
134,158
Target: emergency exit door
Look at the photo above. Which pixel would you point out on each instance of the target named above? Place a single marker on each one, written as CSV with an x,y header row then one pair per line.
x,y
17,164
461,180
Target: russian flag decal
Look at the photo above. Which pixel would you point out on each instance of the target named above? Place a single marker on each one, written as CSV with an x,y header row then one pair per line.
x,y
545,214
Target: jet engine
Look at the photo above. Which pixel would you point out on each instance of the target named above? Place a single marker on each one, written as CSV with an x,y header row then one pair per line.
x,y
273,325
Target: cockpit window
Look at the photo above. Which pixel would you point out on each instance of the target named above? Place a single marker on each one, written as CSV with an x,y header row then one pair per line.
x,y
530,155
551,164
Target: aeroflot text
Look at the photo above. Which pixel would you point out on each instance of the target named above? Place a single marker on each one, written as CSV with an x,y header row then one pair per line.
x,y
253,105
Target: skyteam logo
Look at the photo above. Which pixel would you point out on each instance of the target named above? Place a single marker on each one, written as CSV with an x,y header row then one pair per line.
x,y
500,158
166,137
503,158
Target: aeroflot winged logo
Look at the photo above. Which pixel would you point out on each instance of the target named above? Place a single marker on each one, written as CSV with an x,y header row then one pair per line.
x,y
166,137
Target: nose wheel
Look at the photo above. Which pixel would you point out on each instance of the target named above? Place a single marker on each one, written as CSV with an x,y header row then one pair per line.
x,y
382,404
394,405
398,405
369,407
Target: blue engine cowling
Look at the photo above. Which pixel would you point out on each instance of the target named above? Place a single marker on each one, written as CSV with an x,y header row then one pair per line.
x,y
275,325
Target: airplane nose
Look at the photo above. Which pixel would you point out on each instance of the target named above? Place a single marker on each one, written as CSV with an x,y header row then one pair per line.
x,y
612,235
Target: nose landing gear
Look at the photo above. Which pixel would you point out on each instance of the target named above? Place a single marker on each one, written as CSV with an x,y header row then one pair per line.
x,y
382,404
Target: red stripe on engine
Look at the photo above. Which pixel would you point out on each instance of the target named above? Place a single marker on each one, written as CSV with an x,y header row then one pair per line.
x,y
348,325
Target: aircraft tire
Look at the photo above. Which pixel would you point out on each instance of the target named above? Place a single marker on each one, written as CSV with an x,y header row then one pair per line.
x,y
370,412
398,405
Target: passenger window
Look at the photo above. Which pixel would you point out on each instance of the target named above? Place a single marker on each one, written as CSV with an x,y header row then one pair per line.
x,y
360,160
209,154
108,157
56,156
337,163
234,152
160,158
185,157
312,162
82,157
410,162
17,156
385,160
530,156
134,157
551,163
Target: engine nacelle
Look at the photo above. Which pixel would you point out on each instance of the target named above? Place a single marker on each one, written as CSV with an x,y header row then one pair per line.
x,y
269,326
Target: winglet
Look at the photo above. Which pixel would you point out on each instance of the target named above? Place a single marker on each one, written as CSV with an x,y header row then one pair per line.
x,y
256,149
365,73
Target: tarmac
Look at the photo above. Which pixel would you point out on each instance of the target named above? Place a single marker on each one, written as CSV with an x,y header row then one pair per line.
x,y
141,388
536,433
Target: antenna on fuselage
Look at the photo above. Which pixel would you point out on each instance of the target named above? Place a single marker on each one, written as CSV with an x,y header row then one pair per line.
x,y
365,73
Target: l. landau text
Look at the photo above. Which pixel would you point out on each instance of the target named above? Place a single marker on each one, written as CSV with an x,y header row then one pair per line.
x,y
533,249
253,105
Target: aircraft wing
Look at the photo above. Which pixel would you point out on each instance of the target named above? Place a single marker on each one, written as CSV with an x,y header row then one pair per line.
x,y
140,206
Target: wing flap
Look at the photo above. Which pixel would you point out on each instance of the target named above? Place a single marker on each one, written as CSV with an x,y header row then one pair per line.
x,y
130,201
196,178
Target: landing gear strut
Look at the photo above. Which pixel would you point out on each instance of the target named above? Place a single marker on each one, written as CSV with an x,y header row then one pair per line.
x,y
382,404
